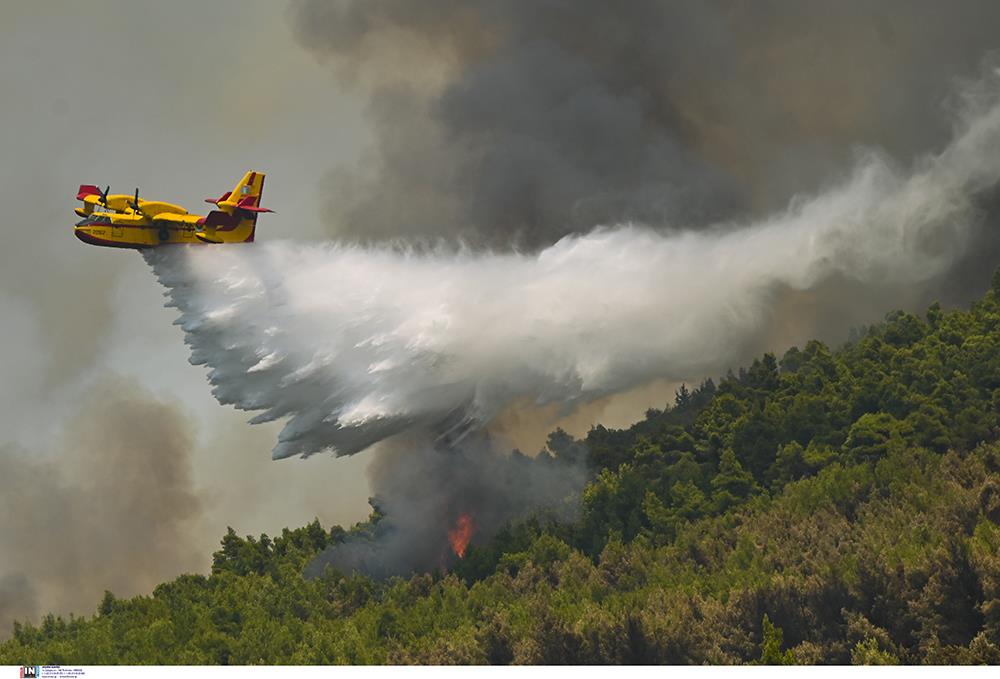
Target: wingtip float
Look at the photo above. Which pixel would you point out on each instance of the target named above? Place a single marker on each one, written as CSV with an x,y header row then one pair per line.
x,y
127,221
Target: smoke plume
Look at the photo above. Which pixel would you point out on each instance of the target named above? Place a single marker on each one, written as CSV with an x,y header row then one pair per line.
x,y
355,344
434,500
530,119
117,512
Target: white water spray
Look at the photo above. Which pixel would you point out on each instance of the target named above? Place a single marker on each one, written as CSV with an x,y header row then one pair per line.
x,y
353,344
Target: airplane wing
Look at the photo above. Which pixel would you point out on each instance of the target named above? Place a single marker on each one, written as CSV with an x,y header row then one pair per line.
x,y
173,219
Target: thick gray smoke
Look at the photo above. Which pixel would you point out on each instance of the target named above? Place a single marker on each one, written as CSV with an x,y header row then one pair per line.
x,y
355,344
115,508
526,120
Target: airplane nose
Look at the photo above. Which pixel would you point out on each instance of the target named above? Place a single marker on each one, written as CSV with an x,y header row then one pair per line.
x,y
82,232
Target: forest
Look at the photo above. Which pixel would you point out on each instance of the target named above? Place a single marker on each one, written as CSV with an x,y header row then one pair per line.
x,y
828,506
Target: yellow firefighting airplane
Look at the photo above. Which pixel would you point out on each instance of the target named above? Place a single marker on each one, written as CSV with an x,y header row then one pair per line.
x,y
123,221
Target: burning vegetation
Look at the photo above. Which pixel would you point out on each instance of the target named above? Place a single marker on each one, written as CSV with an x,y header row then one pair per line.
x,y
459,536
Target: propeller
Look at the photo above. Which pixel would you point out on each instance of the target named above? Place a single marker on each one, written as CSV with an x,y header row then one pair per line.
x,y
103,200
135,201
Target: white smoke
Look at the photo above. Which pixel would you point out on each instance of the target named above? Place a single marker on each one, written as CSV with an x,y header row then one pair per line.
x,y
353,344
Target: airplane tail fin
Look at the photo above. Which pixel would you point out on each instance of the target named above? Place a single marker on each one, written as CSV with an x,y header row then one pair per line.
x,y
241,205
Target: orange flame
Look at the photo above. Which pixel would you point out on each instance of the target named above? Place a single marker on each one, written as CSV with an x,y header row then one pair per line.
x,y
460,535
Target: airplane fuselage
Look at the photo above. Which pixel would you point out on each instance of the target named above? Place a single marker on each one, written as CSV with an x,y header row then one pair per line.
x,y
138,232
133,231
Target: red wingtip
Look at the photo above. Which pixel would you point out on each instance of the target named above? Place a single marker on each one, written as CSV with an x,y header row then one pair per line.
x,y
87,190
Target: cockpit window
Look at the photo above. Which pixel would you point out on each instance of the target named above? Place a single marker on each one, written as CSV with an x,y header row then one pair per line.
x,y
95,218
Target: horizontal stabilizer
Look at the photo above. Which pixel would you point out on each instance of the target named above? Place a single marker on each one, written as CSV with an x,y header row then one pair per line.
x,y
248,205
216,201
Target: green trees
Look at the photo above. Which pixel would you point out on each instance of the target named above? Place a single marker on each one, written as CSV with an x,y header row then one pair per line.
x,y
732,484
894,562
770,647
873,436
